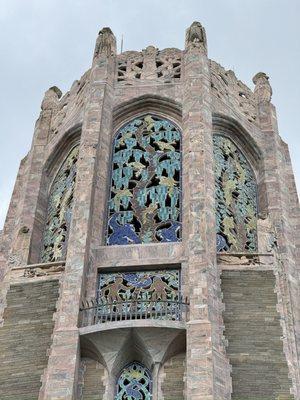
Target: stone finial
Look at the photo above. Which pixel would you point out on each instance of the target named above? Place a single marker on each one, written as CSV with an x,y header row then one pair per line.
x,y
105,43
150,51
195,37
51,98
262,90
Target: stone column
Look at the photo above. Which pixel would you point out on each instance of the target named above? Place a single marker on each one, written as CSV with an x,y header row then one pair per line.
x,y
59,380
207,367
285,214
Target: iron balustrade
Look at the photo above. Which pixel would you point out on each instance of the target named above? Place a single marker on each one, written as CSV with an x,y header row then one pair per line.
x,y
101,311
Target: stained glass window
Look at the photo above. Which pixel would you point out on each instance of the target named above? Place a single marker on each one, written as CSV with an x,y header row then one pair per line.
x,y
134,383
236,198
59,211
145,197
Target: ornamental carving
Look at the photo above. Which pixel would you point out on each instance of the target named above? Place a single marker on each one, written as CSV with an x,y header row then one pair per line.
x,y
236,198
149,285
230,90
130,65
145,197
155,293
263,90
134,66
105,44
168,64
196,37
59,213
134,383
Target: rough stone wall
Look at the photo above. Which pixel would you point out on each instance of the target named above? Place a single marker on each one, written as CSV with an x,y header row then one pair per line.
x,y
172,378
253,332
93,376
25,338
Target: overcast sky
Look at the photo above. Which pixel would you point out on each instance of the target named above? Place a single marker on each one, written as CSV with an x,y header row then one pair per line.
x,y
50,42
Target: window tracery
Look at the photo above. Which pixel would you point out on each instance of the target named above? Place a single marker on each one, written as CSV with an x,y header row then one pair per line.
x,y
134,383
59,210
145,195
236,198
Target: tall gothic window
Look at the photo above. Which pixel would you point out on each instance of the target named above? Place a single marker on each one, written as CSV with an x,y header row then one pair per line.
x,y
59,210
134,383
145,196
236,198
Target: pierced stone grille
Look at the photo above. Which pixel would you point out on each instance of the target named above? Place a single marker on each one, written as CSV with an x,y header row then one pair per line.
x,y
145,197
59,211
236,198
134,383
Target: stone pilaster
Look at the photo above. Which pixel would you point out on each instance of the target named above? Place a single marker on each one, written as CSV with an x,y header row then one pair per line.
x,y
207,367
278,185
29,226
59,380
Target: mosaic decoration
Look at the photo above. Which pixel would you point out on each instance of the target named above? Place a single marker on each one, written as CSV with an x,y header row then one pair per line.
x,y
236,198
145,196
147,285
59,211
134,383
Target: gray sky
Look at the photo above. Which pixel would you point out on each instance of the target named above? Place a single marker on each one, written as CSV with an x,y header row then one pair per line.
x,y
50,42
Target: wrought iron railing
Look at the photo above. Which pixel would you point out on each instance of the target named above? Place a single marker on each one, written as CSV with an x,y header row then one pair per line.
x,y
101,311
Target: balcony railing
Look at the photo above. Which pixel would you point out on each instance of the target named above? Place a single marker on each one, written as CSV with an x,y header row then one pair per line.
x,y
101,311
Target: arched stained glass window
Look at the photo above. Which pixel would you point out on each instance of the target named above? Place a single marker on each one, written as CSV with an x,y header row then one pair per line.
x,y
59,210
236,198
145,197
134,383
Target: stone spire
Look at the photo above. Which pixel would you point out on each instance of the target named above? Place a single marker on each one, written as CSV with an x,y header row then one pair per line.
x,y
195,37
262,90
105,44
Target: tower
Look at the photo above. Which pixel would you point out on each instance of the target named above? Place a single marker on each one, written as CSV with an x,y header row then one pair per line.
x,y
150,248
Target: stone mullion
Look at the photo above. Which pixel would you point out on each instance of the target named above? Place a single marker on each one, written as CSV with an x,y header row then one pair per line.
x,y
278,206
203,335
59,380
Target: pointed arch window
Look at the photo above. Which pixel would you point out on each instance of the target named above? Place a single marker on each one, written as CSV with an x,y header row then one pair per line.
x,y
59,212
134,382
236,198
145,194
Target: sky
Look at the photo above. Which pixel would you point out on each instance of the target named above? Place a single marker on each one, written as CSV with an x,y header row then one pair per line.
x,y
50,42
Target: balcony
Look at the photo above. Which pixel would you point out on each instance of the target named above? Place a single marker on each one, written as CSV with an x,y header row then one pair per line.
x,y
103,310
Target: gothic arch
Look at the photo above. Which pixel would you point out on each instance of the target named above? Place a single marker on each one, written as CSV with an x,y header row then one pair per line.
x,y
147,104
59,151
145,191
231,128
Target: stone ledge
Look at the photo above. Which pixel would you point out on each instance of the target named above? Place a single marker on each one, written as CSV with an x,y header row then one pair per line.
x,y
154,323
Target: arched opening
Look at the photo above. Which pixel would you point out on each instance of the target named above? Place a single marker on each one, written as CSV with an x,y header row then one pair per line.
x,y
59,210
134,382
145,193
236,198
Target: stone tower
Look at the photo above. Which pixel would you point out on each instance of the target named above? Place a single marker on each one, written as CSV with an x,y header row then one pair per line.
x,y
150,248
